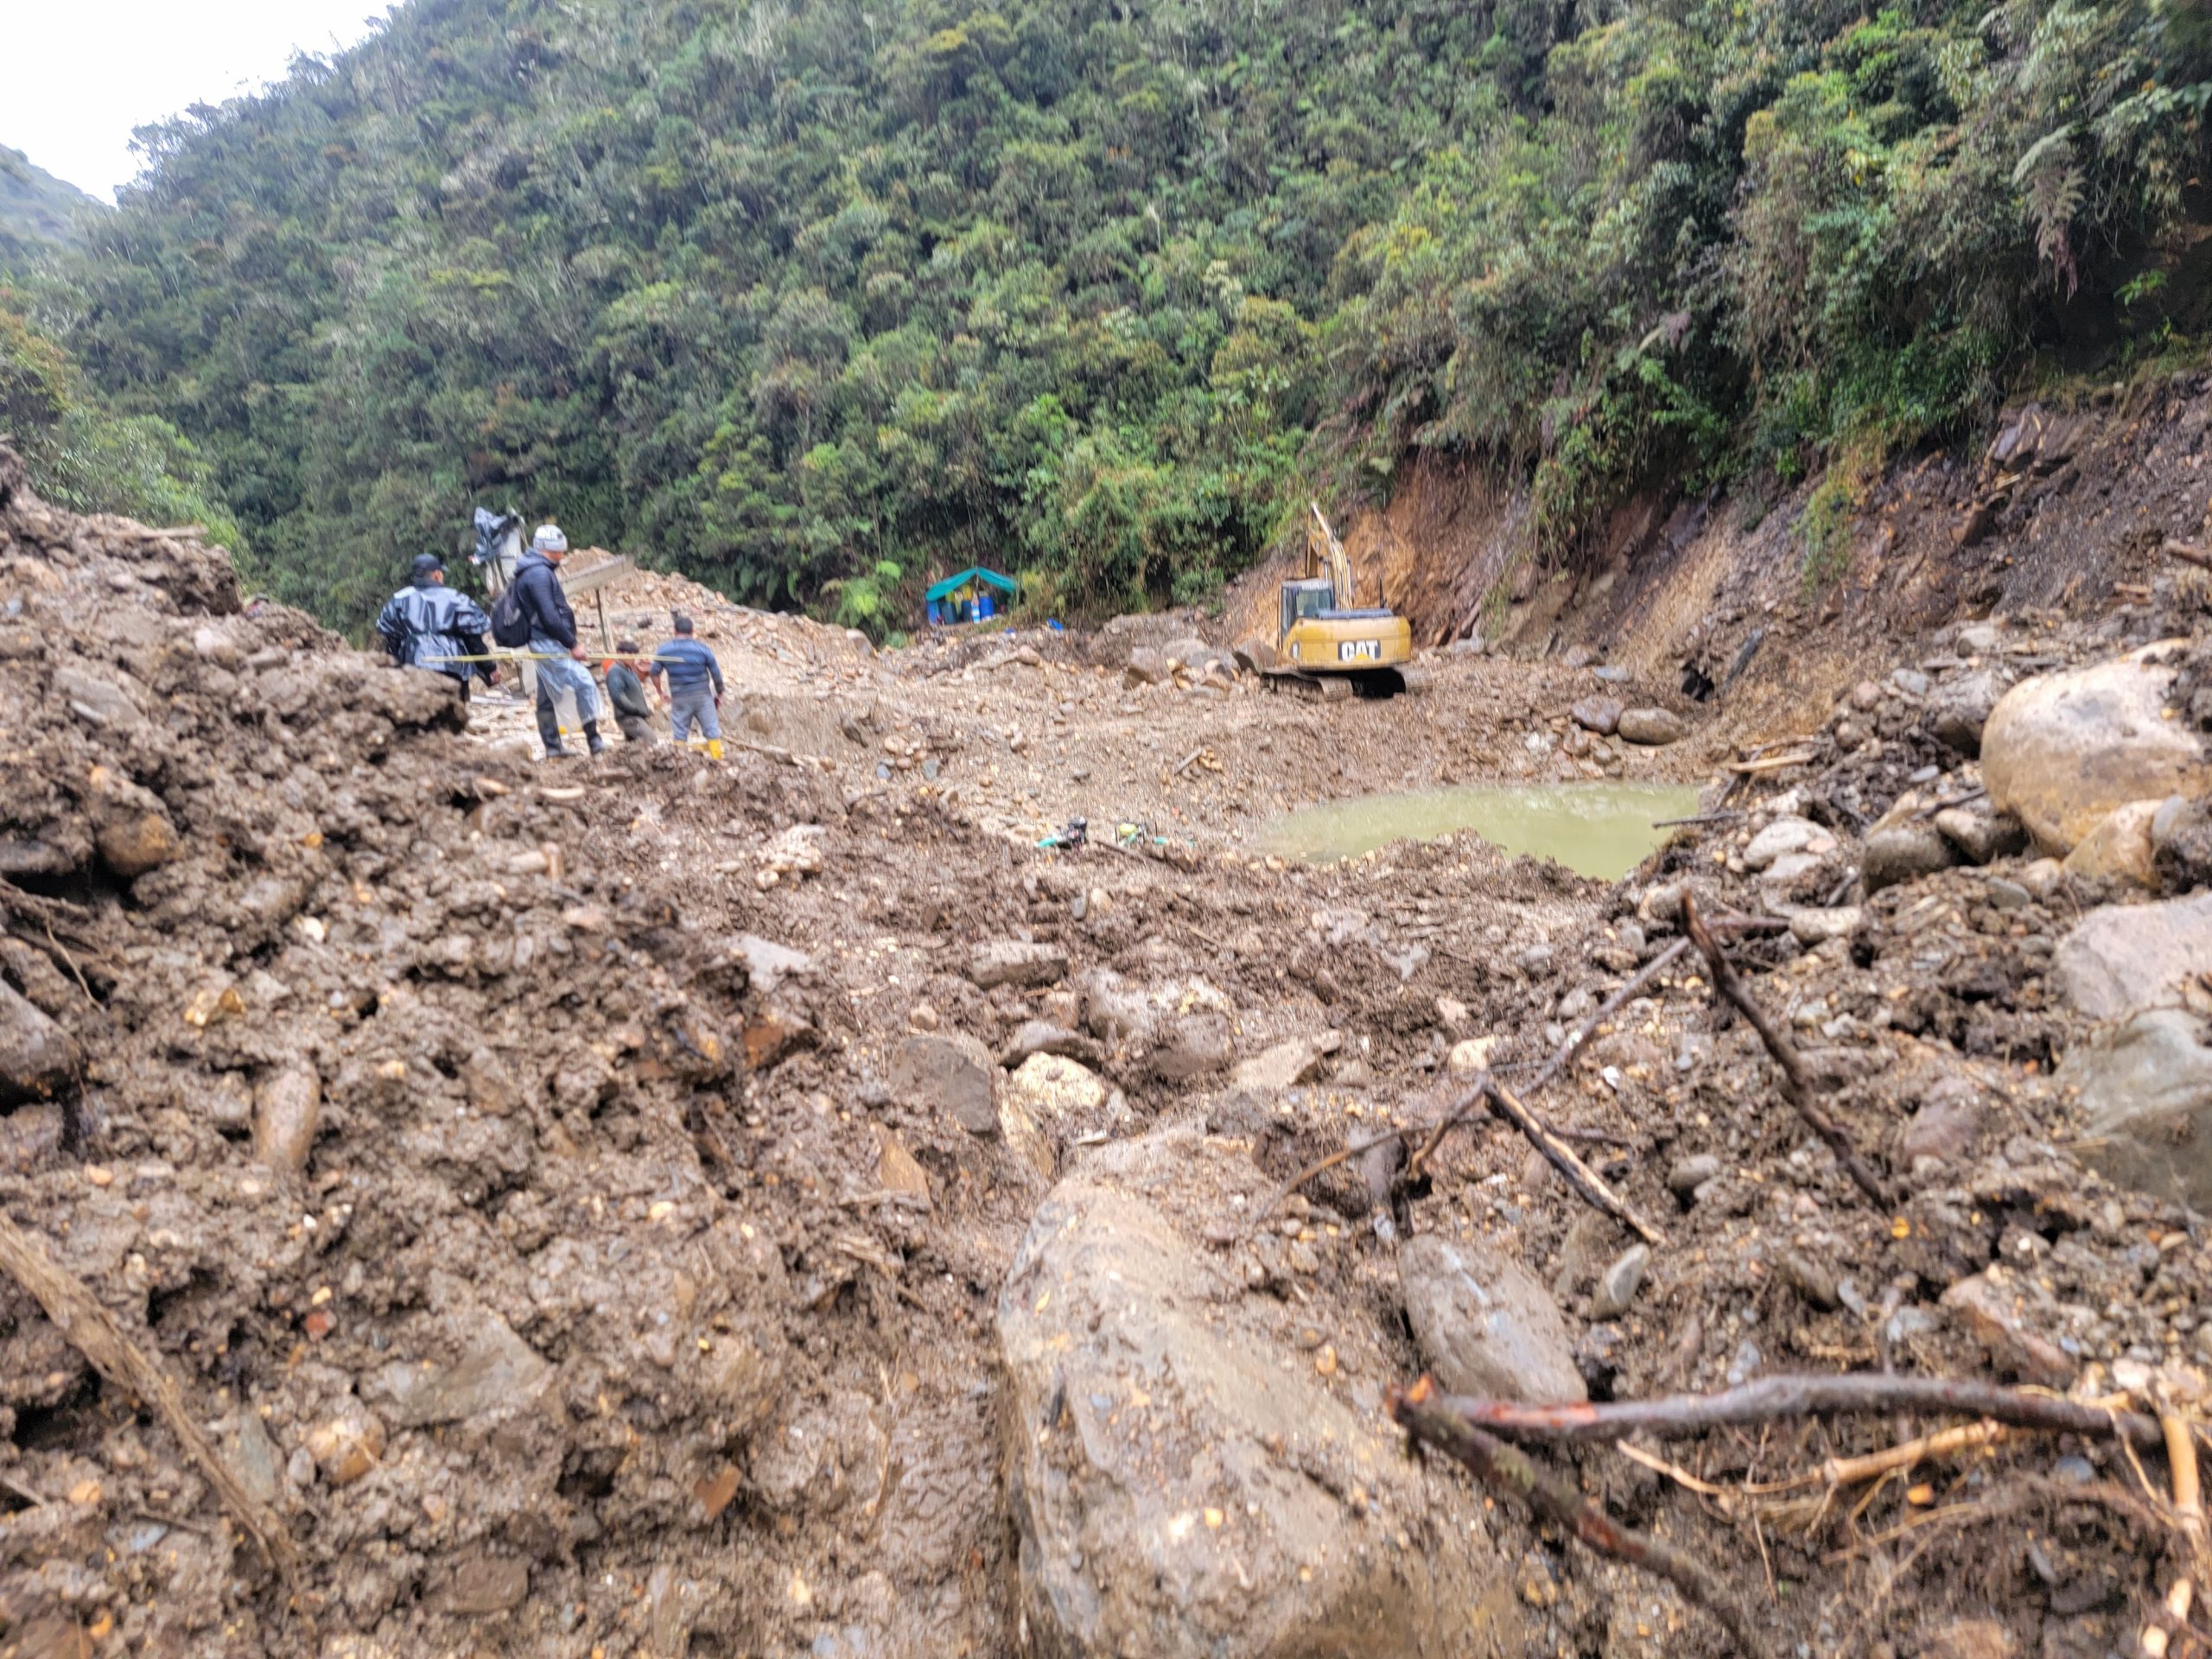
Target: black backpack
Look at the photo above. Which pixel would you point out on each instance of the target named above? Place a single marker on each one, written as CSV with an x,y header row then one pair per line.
x,y
510,621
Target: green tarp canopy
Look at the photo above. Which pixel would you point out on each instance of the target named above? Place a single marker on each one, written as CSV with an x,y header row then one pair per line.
x,y
973,573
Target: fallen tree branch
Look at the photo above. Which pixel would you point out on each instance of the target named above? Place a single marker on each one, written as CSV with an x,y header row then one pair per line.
x,y
1858,1394
1797,1082
1470,1104
2186,554
1561,1157
1426,1415
93,1329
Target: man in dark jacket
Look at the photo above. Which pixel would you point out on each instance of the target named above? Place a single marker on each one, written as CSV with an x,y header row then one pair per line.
x,y
553,640
627,693
427,624
695,686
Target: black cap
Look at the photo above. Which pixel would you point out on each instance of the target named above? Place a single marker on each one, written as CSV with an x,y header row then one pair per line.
x,y
427,564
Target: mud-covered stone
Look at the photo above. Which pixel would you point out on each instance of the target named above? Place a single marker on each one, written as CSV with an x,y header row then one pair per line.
x,y
1056,1099
132,843
2119,848
1652,728
1600,715
2007,1313
287,1106
1285,1063
494,1371
1960,709
2180,843
1951,1114
1979,833
1183,1481
1017,962
1903,851
950,1073
2121,957
1784,837
2062,751
1146,667
2145,1089
1483,1325
38,1059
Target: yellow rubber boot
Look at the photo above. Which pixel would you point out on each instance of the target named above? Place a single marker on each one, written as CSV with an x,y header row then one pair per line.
x,y
714,748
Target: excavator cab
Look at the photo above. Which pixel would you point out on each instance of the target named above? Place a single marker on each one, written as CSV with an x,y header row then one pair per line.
x,y
1327,642
1302,600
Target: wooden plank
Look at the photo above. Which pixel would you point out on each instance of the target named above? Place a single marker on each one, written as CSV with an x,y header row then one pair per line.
x,y
611,568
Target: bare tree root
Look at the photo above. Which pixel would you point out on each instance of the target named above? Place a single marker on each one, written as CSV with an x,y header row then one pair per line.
x,y
1428,1417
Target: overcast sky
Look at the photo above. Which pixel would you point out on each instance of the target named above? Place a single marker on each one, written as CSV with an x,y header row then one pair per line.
x,y
82,73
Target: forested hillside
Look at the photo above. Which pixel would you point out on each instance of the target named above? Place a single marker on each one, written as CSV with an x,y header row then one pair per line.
x,y
37,210
820,299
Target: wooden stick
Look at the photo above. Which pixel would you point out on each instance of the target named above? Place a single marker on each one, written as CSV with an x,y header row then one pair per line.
x,y
2188,1507
1561,1157
1424,1415
1797,1082
1856,1394
2186,554
81,1317
1772,763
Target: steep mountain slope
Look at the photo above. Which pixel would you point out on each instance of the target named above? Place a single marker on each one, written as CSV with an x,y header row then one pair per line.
x,y
37,211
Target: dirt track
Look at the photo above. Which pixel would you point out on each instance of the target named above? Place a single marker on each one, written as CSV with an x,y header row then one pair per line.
x,y
515,1165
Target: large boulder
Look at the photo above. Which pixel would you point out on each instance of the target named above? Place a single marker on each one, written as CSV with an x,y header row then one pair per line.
x,y
2145,1088
2062,751
1483,1325
2123,957
1184,1482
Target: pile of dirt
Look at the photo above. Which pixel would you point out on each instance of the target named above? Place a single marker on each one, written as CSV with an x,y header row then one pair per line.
x,y
373,1111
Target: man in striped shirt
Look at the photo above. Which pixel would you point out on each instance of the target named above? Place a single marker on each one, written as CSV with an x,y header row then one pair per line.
x,y
694,683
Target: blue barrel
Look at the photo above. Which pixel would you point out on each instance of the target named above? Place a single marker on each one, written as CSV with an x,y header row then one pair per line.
x,y
983,608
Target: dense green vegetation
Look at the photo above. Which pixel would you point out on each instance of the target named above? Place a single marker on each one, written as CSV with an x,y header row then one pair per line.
x,y
819,299
85,456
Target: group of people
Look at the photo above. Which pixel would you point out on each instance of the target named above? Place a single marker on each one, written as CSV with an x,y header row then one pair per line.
x,y
430,626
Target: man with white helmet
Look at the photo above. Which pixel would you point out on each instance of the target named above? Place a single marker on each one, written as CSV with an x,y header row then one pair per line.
x,y
553,640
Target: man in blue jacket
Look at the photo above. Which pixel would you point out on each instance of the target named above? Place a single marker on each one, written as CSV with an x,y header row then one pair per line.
x,y
694,685
427,624
553,640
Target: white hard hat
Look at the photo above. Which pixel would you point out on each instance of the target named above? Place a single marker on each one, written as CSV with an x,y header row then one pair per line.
x,y
549,539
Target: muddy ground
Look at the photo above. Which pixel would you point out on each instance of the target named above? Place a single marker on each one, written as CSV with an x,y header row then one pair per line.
x,y
527,1171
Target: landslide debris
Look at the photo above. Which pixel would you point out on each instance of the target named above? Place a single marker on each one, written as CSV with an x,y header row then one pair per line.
x,y
584,1242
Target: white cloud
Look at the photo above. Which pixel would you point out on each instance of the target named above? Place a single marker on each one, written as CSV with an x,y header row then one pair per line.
x,y
83,74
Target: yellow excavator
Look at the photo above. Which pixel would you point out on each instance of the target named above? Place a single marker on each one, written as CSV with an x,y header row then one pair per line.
x,y
1326,641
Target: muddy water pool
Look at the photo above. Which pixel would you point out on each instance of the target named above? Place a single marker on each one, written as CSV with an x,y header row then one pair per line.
x,y
1601,829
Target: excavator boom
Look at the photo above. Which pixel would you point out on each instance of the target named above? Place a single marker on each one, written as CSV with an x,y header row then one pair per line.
x,y
1324,556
